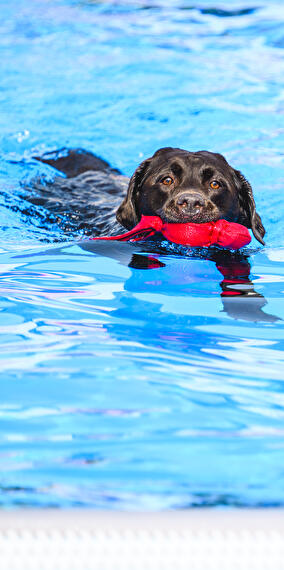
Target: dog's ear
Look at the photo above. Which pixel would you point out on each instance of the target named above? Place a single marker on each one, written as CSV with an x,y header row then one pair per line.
x,y
127,214
248,215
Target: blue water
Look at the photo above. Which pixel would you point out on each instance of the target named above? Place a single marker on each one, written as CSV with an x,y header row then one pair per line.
x,y
124,387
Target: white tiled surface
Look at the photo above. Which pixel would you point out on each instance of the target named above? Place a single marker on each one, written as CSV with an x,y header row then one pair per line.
x,y
192,540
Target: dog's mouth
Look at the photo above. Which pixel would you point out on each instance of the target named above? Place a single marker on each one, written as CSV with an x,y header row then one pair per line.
x,y
199,216
189,207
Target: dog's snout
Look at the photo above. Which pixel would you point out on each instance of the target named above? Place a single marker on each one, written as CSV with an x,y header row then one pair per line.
x,y
190,201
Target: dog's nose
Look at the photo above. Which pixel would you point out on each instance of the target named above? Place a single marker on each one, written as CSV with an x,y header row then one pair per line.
x,y
190,201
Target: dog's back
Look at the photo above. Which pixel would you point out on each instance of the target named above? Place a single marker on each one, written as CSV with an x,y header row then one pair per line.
x,y
87,199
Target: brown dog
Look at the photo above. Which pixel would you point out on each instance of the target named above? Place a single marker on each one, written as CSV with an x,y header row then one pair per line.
x,y
181,186
177,185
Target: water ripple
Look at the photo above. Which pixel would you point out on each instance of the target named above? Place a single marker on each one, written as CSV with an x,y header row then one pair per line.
x,y
120,385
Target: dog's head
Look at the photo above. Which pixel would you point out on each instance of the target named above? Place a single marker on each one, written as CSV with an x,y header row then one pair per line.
x,y
181,186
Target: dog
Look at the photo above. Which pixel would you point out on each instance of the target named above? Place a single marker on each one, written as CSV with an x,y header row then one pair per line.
x,y
181,186
175,184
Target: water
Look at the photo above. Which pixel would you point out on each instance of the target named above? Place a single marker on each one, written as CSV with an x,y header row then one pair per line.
x,y
124,387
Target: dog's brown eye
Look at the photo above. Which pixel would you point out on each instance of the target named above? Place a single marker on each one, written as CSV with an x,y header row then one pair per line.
x,y
214,184
167,181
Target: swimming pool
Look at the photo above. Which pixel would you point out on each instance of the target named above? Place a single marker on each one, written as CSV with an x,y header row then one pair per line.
x,y
124,387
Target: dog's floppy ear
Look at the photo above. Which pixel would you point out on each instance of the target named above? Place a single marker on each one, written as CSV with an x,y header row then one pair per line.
x,y
127,214
248,215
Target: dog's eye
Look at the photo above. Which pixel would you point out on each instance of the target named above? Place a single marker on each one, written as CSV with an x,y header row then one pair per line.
x,y
214,184
167,181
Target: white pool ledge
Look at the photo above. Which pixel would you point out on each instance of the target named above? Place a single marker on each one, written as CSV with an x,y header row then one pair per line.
x,y
173,540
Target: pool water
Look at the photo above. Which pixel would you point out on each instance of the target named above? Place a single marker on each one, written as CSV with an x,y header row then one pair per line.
x,y
140,376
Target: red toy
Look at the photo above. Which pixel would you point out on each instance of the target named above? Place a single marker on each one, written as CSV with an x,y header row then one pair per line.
x,y
221,233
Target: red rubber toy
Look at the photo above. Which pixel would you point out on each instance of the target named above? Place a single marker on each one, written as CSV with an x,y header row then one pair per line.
x,y
221,233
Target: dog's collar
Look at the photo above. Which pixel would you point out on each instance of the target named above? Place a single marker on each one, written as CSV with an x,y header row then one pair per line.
x,y
221,233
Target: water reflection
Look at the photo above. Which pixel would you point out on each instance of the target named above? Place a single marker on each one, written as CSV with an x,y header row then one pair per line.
x,y
133,388
239,298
